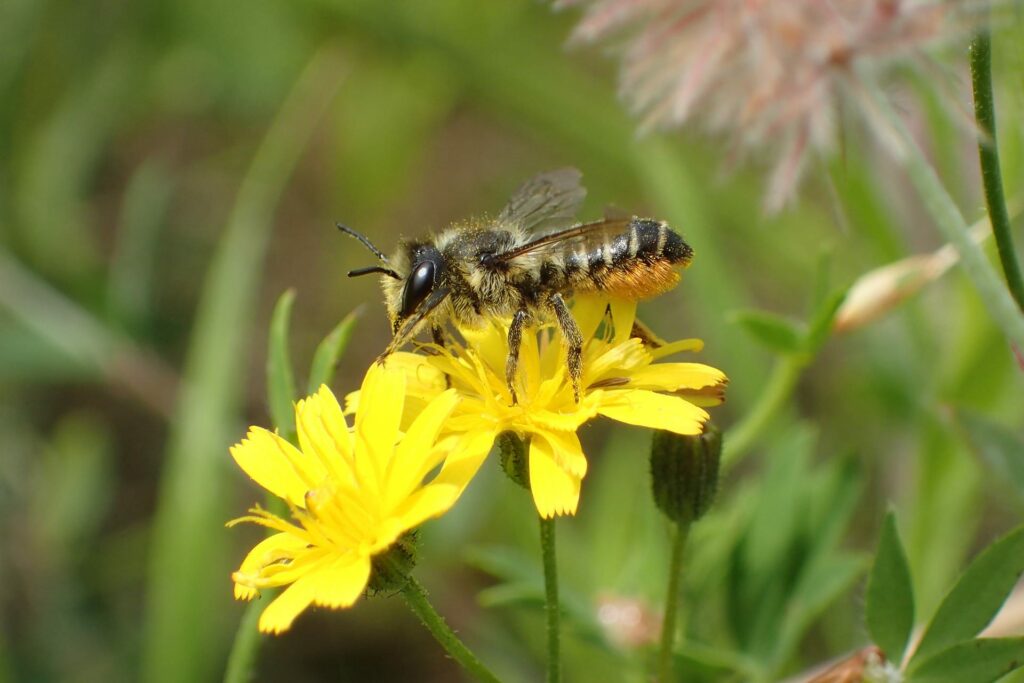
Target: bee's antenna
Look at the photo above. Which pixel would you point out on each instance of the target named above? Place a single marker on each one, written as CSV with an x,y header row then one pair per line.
x,y
374,269
365,240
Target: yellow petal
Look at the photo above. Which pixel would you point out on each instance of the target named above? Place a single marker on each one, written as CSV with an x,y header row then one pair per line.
x,y
285,573
555,490
528,372
568,452
433,500
377,422
623,313
674,376
589,312
468,452
422,379
656,411
279,614
323,432
243,592
683,345
277,466
415,455
269,520
616,360
569,419
268,551
341,582
490,342
352,402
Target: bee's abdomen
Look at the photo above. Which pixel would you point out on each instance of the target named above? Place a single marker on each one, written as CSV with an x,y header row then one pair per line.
x,y
654,240
637,263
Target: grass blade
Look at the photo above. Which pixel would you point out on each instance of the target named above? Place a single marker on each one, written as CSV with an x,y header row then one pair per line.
x,y
329,351
280,377
188,562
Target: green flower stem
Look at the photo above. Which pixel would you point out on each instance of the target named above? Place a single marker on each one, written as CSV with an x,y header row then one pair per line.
x,y
668,624
770,401
988,154
243,650
416,597
953,228
547,545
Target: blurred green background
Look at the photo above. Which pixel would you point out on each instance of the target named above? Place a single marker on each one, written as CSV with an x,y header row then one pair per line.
x,y
167,170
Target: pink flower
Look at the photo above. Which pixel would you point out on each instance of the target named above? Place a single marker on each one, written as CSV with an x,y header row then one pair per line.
x,y
767,73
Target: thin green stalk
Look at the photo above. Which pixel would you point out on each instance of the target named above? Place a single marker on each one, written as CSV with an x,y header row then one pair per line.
x,y
547,545
416,597
668,624
988,155
243,651
951,224
770,401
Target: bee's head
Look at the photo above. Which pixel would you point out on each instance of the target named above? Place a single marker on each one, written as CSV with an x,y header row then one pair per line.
x,y
413,297
413,283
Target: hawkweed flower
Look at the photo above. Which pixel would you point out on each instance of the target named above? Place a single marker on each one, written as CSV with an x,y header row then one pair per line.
x,y
352,492
622,379
770,75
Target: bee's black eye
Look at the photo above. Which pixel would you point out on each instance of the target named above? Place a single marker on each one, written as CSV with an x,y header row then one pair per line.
x,y
417,287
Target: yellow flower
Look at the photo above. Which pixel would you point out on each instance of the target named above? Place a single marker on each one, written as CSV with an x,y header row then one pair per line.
x,y
622,380
352,492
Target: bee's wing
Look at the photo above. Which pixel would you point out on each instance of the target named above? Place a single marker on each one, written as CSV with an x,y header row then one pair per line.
x,y
586,237
545,198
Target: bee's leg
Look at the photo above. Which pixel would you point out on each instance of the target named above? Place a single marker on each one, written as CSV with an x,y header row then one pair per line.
x,y
573,341
437,336
515,339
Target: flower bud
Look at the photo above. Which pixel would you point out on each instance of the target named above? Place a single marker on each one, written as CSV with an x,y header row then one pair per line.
x,y
514,458
684,473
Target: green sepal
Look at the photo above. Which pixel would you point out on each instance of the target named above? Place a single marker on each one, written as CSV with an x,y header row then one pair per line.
x,y
515,460
390,569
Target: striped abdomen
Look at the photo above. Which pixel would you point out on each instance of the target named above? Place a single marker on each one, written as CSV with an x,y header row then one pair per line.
x,y
638,262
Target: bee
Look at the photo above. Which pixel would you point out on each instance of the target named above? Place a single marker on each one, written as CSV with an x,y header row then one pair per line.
x,y
510,267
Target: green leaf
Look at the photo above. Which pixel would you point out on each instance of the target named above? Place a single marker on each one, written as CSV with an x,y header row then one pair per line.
x,y
974,661
280,378
773,331
890,594
329,351
977,596
999,447
821,323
